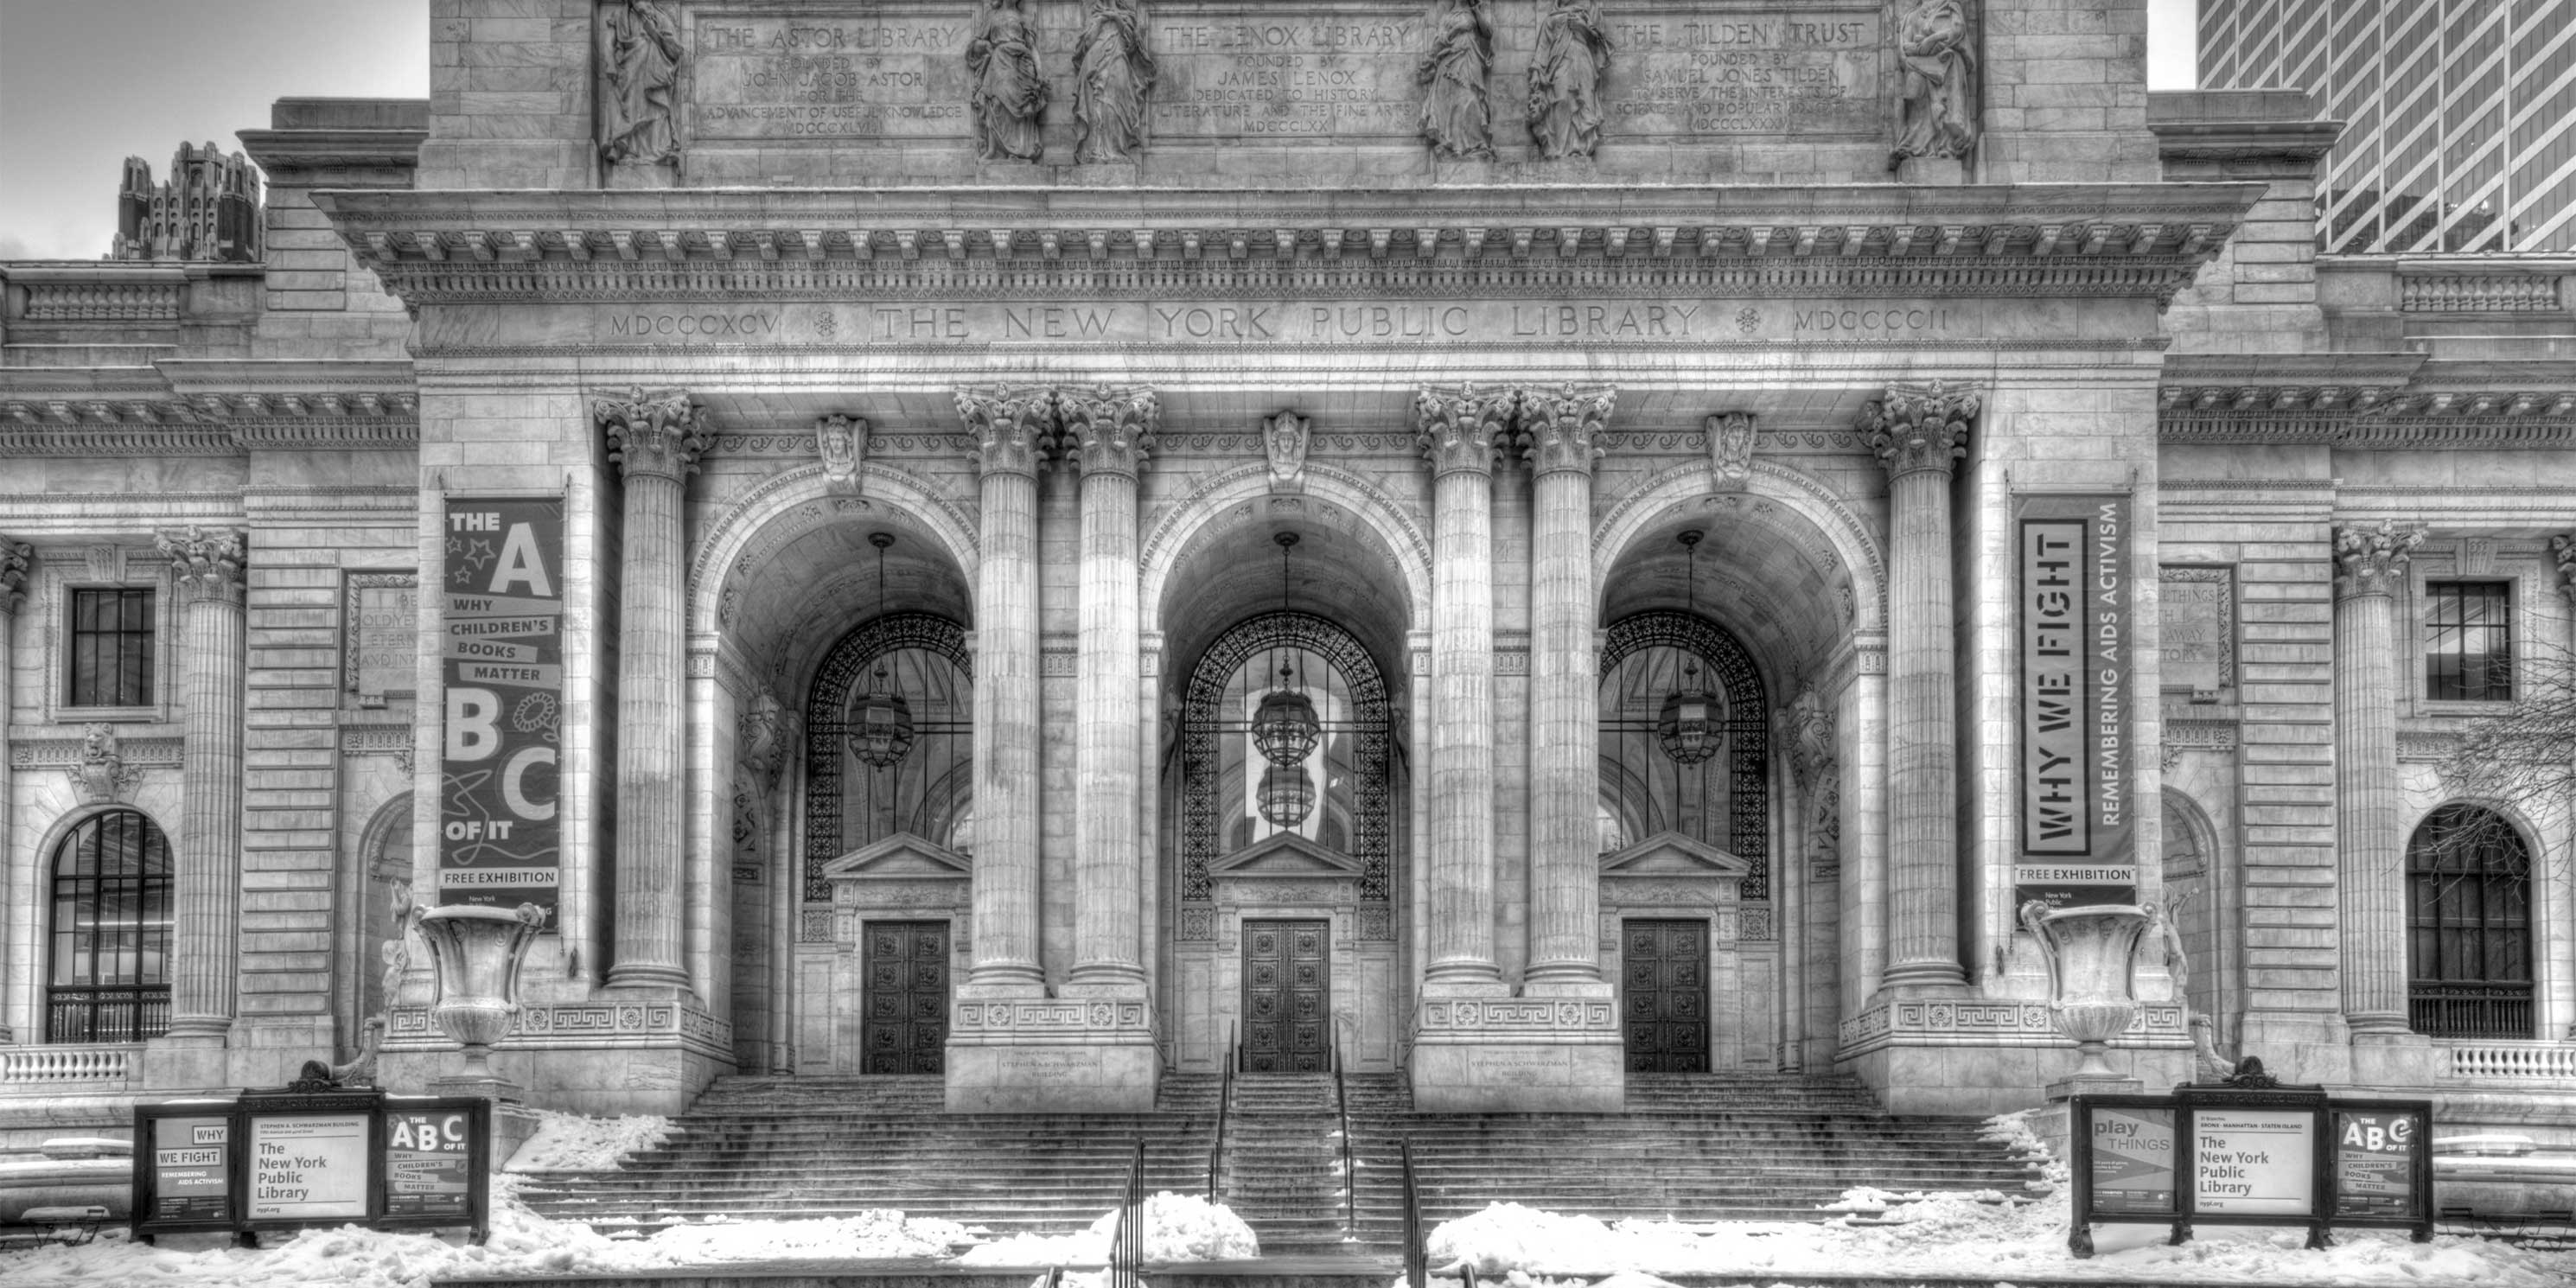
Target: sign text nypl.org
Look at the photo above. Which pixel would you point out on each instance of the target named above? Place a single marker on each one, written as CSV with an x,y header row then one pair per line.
x,y
2075,627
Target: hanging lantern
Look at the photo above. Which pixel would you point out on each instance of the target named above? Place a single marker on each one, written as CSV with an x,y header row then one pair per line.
x,y
1286,795
1690,726
1284,725
881,731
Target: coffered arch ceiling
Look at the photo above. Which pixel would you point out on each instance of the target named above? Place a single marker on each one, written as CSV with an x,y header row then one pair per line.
x,y
1339,570
784,610
1762,571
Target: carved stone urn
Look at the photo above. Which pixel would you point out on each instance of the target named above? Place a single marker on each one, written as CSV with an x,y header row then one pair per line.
x,y
2092,973
477,953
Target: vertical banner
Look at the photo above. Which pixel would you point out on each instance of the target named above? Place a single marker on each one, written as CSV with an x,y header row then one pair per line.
x,y
2073,624
502,659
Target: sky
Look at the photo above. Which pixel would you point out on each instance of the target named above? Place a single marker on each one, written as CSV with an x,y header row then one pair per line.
x,y
86,83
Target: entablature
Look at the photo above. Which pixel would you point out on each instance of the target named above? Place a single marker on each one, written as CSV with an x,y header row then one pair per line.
x,y
207,408
2367,400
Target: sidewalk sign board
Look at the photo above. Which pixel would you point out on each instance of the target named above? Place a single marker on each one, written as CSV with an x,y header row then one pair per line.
x,y
292,1160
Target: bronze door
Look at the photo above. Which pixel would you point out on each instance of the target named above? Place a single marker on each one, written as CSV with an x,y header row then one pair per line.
x,y
905,996
1287,997
1664,990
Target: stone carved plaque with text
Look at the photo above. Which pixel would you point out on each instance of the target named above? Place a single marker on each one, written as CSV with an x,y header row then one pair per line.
x,y
2196,614
380,642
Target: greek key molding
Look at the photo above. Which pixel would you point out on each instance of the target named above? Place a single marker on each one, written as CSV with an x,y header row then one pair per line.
x,y
577,1026
1492,1019
1995,1023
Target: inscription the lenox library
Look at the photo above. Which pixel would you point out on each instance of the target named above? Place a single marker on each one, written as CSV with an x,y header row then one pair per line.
x,y
1229,71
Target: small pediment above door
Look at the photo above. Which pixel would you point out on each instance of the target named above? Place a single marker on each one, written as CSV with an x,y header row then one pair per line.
x,y
1671,854
1285,855
902,857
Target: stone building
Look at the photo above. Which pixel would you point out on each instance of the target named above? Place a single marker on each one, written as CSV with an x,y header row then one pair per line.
x,y
1772,492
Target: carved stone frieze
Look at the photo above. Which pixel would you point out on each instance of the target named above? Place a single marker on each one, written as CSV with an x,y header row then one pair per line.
x,y
2372,559
1919,429
1560,429
842,442
2001,1022
1285,439
1011,430
1464,428
658,434
1105,430
1730,448
206,565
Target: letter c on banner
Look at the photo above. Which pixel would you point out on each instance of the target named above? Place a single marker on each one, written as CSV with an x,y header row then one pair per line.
x,y
513,791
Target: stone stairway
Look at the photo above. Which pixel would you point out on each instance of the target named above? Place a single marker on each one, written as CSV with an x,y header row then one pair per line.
x,y
1715,1147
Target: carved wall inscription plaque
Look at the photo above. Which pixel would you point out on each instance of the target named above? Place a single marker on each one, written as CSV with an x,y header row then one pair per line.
x,y
897,74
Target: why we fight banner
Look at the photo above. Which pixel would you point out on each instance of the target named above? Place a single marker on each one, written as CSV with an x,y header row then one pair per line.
x,y
2075,628
502,658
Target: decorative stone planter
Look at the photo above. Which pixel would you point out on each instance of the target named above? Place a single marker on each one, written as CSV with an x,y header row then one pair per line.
x,y
2091,953
477,953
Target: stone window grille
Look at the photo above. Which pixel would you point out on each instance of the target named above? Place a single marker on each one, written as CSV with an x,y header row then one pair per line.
x,y
2468,641
110,659
110,975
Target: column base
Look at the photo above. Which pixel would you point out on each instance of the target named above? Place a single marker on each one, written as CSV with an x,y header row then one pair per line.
x,y
651,975
490,1087
1112,984
1465,981
1573,982
1064,1055
2380,1026
1924,979
1518,1055
1002,982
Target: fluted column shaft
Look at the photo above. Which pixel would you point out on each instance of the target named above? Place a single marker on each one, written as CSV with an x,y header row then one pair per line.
x,y
1457,433
1107,432
2370,880
14,556
206,917
1012,429
1565,755
1916,434
655,442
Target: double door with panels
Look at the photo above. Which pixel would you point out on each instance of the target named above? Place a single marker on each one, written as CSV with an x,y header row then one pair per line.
x,y
1287,997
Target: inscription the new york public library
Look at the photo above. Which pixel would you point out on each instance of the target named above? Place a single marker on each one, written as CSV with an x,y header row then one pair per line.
x,y
1225,76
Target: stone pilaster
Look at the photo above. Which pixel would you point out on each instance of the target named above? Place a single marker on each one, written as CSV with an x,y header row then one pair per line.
x,y
1916,434
206,911
1458,431
655,440
1561,427
1106,433
1013,430
2370,877
14,556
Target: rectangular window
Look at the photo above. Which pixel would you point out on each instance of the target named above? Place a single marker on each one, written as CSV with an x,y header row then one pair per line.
x,y
111,648
2468,641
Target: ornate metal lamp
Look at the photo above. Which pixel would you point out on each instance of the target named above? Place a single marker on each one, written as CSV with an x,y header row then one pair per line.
x,y
882,733
1691,726
1284,726
1286,795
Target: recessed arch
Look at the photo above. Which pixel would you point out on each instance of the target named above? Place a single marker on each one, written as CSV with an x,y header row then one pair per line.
x,y
792,503
1828,530
1240,496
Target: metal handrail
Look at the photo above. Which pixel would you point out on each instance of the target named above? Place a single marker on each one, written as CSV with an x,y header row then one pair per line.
x,y
1224,1106
1127,1236
1417,1259
1342,1106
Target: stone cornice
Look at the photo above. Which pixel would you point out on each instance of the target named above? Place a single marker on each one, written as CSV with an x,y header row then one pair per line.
x,y
2397,400
1033,243
206,408
282,152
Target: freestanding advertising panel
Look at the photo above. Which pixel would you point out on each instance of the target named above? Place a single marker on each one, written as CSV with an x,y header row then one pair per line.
x,y
294,1160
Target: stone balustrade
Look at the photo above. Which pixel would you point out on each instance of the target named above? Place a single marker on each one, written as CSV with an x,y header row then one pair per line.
x,y
105,299
47,1065
2533,291
2515,1062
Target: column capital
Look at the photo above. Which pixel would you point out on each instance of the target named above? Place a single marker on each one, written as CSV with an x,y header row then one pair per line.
x,y
13,573
1463,428
2372,559
2563,546
1106,430
1919,429
207,565
1014,428
1558,426
655,434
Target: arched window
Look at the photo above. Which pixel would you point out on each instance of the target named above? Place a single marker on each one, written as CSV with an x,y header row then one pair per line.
x,y
110,980
2468,924
1722,801
2191,896
929,793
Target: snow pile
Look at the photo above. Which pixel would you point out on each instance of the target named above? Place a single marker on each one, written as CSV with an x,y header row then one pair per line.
x,y
573,1143
2013,1132
1178,1227
881,1233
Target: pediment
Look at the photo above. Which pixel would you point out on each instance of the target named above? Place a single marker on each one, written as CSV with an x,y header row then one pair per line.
x,y
903,857
1285,855
1671,854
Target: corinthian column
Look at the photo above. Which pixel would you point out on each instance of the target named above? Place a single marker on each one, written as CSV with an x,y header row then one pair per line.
x,y
1013,430
1106,432
1916,434
13,587
207,932
2370,877
655,441
1457,430
1560,427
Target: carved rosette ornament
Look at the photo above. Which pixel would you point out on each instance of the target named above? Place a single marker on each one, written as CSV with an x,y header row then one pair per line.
x,y
14,556
1919,429
843,442
1730,448
1284,440
207,565
1103,430
1014,429
1560,428
2563,547
1464,428
652,434
2373,559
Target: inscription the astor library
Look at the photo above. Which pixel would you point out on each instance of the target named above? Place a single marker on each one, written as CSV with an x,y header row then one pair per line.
x,y
758,77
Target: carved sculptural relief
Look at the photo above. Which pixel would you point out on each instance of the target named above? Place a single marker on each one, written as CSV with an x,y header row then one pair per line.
x,y
1009,93
1114,76
1937,101
1567,67
1457,116
639,60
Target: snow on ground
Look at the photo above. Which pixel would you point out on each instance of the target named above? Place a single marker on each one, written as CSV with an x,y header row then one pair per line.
x,y
1178,1227
573,1143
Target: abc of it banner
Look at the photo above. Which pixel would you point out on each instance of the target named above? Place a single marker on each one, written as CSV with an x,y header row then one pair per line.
x,y
2075,626
501,655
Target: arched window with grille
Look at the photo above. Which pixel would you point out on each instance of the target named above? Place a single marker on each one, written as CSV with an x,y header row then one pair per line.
x,y
2468,923
110,975
928,790
1722,798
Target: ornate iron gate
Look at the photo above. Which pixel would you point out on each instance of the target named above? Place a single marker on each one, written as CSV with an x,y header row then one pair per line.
x,y
1287,997
1664,989
905,993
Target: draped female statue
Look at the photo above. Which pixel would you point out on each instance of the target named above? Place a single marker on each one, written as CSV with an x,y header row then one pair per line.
x,y
1937,109
1113,79
1456,117
1009,93
1566,70
639,60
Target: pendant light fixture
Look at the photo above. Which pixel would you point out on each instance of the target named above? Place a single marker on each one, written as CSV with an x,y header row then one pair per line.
x,y
1689,726
882,732
1284,726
